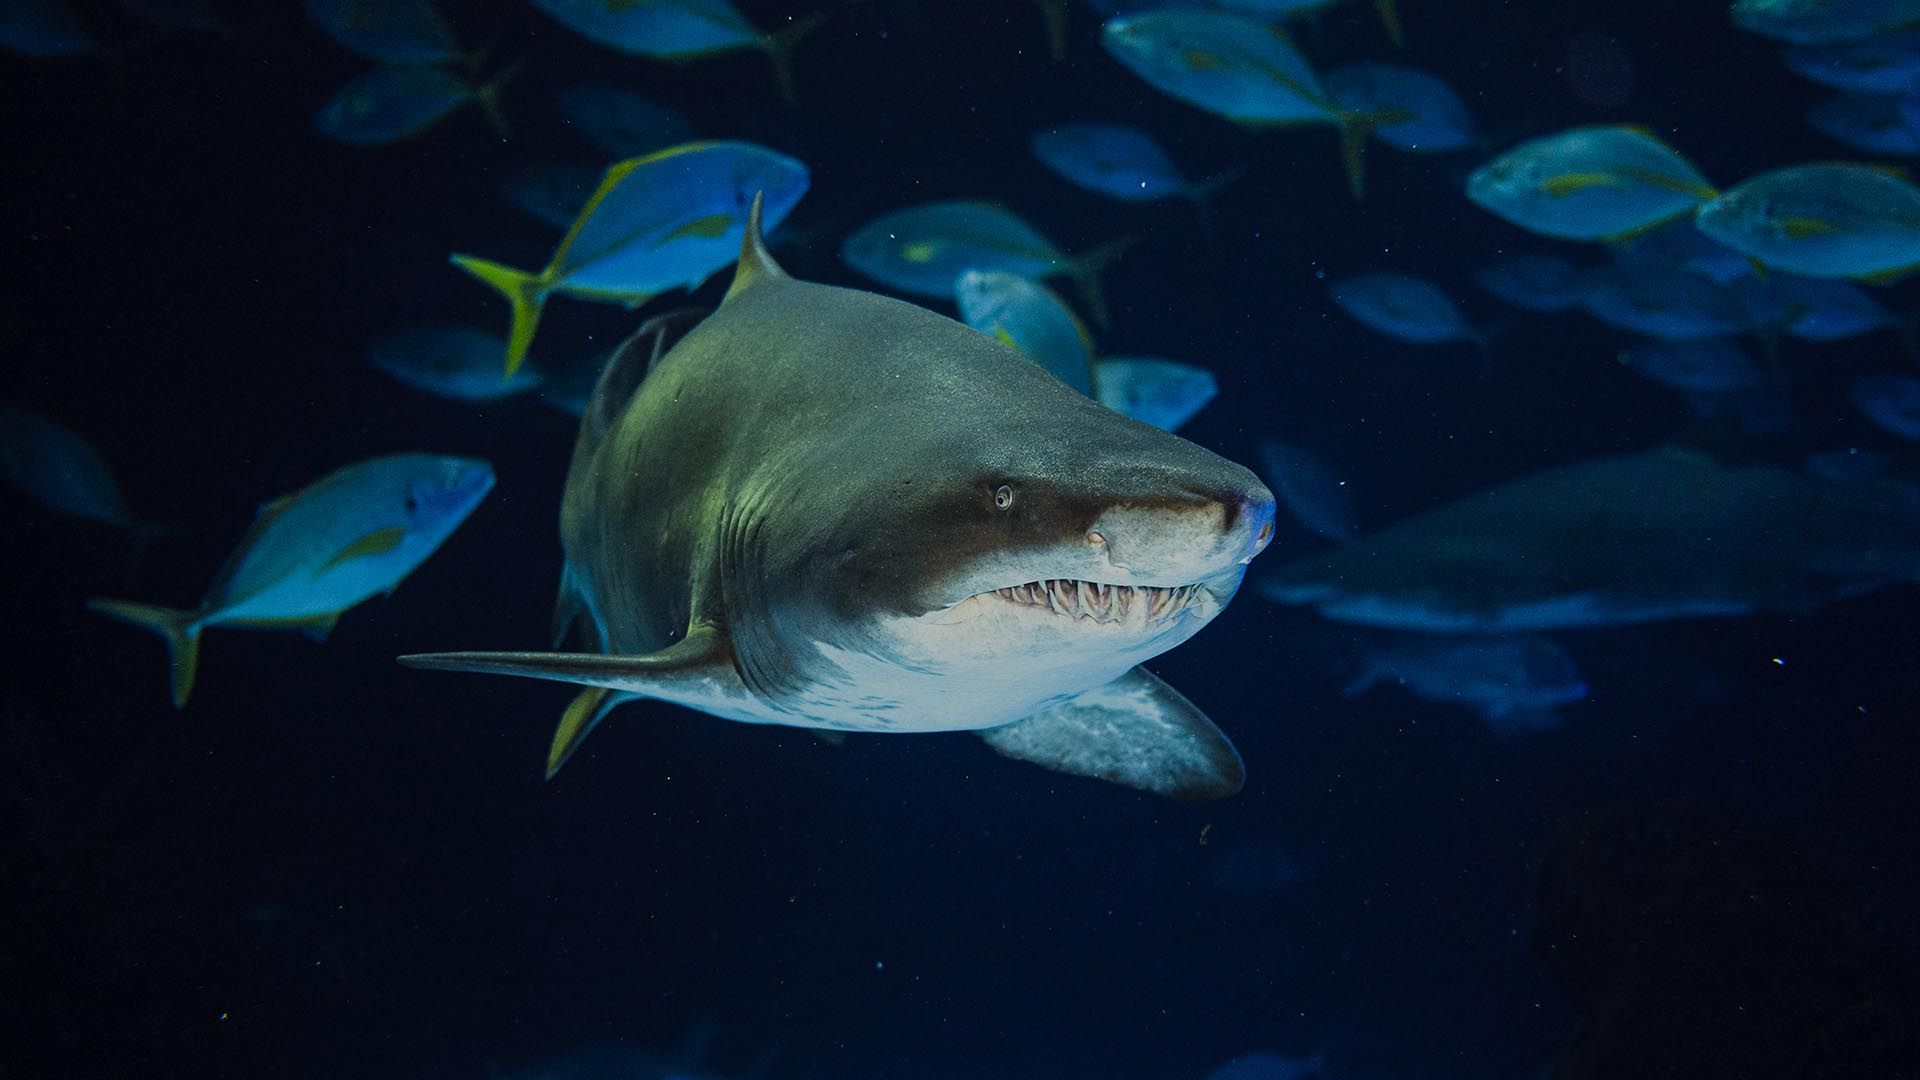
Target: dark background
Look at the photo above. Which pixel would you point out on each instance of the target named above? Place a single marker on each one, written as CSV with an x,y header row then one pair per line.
x,y
331,866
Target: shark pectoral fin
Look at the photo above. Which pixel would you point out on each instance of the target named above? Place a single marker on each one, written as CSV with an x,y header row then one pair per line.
x,y
584,713
687,669
1136,731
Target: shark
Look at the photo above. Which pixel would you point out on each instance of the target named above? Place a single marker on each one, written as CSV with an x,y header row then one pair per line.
x,y
823,508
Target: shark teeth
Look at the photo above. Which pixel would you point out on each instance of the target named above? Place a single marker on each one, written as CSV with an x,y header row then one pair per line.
x,y
1100,602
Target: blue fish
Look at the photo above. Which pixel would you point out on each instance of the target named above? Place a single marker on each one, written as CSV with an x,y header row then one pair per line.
x,y
1604,182
1827,220
60,469
1030,319
1309,488
1436,120
353,534
392,31
1122,163
1240,68
1164,393
682,30
1708,365
44,28
392,103
1816,22
1514,683
1542,283
1404,308
620,122
1871,123
457,362
664,221
924,249
1883,64
1665,303
1890,401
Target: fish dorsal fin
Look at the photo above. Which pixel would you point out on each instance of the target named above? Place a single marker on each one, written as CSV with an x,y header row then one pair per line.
x,y
756,262
628,369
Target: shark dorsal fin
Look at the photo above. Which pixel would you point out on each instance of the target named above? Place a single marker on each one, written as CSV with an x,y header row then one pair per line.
x,y
756,262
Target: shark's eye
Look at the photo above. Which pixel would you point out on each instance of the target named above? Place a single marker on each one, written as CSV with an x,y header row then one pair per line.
x,y
1003,497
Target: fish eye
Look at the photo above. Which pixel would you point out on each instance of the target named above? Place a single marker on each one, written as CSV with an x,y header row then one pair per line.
x,y
1003,497
413,502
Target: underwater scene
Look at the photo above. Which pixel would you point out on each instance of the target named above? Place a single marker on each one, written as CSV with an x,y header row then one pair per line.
x,y
764,540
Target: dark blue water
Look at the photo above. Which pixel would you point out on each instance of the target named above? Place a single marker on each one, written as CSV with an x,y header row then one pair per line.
x,y
331,866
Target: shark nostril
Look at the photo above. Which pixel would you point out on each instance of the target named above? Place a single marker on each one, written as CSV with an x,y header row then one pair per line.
x,y
1266,534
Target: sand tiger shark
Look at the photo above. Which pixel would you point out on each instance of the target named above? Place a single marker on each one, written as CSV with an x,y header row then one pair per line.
x,y
829,509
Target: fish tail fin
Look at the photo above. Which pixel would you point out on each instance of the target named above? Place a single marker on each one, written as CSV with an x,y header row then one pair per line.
x,y
779,46
526,293
1389,12
582,715
1086,268
1354,129
180,630
1201,194
487,96
1055,14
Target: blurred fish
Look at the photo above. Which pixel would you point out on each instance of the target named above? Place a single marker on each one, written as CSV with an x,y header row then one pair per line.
x,y
1604,182
1404,308
1240,68
1814,22
1707,364
393,31
1164,393
60,469
1259,868
1891,401
667,220
1818,309
1678,244
1542,283
1028,318
392,103
1309,488
1882,64
44,28
551,192
315,553
620,122
1825,221
1872,123
682,30
1762,409
1266,1065
1436,120
455,362
924,249
1664,302
1123,163
1663,534
1513,683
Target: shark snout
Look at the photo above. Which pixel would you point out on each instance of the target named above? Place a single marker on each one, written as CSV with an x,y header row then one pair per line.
x,y
1186,538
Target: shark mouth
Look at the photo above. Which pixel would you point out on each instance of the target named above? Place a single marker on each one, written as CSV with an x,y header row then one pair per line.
x,y
1103,603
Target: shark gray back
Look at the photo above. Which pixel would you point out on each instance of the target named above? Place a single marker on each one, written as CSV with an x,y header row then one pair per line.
x,y
824,508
